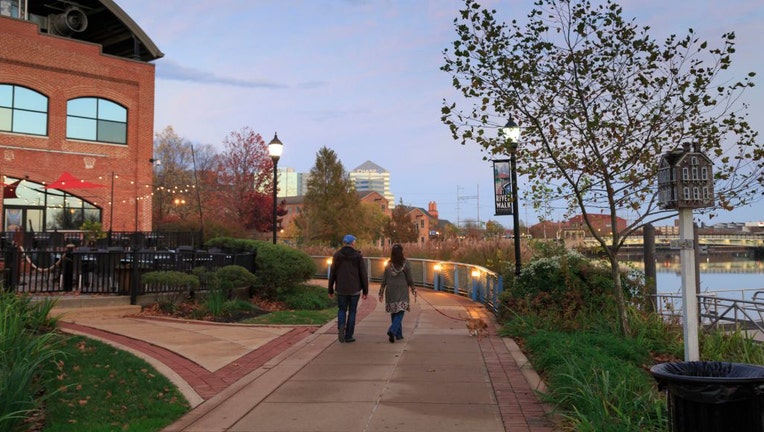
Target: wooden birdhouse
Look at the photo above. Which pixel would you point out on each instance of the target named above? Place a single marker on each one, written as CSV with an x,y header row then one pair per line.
x,y
685,179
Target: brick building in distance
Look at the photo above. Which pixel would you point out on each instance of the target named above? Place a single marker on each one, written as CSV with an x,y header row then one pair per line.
x,y
76,97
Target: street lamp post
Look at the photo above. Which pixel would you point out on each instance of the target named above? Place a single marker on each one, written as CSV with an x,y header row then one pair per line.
x,y
275,148
512,132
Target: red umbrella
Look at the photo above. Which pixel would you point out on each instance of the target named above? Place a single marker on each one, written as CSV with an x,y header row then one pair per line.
x,y
68,181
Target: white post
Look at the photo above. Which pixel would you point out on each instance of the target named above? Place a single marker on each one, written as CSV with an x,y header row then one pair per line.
x,y
689,290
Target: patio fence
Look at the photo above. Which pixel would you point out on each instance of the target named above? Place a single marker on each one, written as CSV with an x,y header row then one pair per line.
x,y
111,271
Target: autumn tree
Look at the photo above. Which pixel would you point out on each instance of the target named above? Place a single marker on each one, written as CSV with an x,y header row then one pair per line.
x,y
494,229
331,206
600,101
242,196
373,222
400,228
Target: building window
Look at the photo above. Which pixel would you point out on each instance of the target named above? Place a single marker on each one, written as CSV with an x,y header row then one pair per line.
x,y
95,119
685,174
11,8
23,110
704,173
686,193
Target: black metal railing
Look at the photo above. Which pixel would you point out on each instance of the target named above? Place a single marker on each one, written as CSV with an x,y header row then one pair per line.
x,y
57,240
114,270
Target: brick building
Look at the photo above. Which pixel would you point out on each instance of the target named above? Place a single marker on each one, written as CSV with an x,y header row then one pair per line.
x,y
77,97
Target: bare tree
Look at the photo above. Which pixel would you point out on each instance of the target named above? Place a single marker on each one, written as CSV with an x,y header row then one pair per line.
x,y
174,194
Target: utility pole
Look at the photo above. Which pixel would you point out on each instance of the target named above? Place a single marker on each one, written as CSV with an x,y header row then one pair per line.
x,y
460,198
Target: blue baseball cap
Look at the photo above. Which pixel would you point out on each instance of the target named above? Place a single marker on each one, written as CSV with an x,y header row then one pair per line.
x,y
348,239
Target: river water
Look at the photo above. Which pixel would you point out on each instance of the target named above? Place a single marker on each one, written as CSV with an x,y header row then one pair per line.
x,y
737,280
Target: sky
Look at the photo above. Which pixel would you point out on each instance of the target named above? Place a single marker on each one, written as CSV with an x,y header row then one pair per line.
x,y
363,78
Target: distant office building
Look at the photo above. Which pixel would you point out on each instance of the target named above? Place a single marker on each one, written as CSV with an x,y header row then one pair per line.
x,y
292,183
371,177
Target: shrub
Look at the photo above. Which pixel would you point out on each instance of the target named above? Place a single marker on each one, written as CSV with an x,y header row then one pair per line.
x,y
234,276
278,267
567,290
173,281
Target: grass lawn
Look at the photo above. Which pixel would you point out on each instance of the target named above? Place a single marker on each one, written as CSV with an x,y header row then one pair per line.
x,y
102,388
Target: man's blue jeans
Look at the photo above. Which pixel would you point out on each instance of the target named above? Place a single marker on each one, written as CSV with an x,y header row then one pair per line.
x,y
347,306
396,326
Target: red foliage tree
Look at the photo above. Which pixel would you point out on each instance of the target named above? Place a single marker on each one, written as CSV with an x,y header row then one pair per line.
x,y
244,184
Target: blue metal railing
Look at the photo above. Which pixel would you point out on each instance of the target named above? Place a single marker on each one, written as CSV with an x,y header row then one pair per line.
x,y
478,283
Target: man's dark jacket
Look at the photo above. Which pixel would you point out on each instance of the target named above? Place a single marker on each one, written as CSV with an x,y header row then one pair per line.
x,y
347,275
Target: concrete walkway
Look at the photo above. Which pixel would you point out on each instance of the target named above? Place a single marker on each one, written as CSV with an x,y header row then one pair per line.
x,y
279,379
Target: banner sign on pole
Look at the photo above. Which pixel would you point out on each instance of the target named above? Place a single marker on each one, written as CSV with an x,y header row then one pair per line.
x,y
502,181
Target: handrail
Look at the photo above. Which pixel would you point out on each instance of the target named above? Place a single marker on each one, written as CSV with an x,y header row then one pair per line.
x,y
716,311
476,282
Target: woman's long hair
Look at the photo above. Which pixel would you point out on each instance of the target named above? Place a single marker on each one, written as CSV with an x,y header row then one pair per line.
x,y
396,255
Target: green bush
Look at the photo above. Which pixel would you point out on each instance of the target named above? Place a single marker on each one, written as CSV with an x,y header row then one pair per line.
x,y
173,281
234,276
279,267
567,290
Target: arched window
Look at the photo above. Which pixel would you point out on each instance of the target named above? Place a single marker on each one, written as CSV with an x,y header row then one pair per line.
x,y
23,110
96,119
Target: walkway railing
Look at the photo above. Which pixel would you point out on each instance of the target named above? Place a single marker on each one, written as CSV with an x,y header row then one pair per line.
x,y
715,311
478,283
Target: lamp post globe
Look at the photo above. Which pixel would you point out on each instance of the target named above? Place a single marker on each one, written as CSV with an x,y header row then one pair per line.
x,y
275,148
511,131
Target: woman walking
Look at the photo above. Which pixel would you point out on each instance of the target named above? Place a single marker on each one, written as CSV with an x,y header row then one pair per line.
x,y
396,284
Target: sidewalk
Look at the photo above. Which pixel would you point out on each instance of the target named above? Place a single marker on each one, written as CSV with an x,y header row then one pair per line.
x,y
279,379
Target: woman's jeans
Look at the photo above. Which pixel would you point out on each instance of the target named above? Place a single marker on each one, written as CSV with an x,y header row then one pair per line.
x,y
347,306
396,326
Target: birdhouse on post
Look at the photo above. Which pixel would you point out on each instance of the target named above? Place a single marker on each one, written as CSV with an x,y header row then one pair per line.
x,y
686,182
685,179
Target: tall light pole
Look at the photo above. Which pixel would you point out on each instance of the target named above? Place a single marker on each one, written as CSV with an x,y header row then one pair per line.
x,y
512,132
111,208
275,148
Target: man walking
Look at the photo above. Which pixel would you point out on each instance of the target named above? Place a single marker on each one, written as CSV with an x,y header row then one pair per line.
x,y
348,275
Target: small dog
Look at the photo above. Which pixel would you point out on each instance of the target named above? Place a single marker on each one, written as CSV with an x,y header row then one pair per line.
x,y
477,327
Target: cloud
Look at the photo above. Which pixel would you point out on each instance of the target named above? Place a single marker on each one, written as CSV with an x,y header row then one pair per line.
x,y
312,84
172,71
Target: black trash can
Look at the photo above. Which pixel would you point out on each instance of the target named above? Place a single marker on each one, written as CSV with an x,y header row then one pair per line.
x,y
712,396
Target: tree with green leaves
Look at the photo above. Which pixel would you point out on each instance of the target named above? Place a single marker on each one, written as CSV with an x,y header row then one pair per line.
x,y
373,222
400,228
599,102
331,206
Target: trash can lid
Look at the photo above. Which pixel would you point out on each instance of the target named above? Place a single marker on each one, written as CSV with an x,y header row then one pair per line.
x,y
708,372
